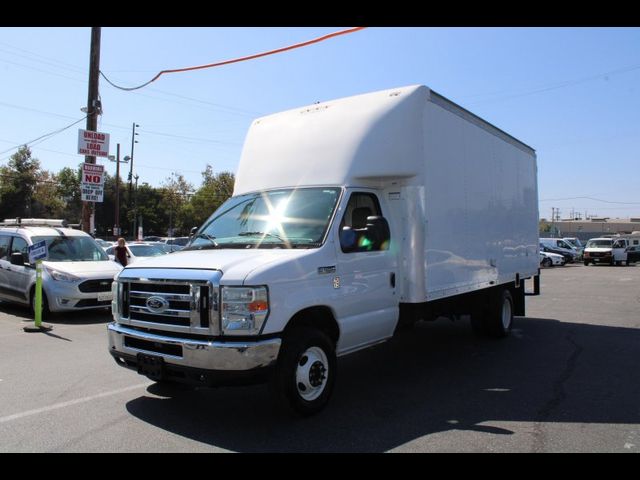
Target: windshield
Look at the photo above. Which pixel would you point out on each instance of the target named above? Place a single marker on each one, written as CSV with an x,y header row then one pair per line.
x,y
72,249
574,241
604,243
146,250
292,218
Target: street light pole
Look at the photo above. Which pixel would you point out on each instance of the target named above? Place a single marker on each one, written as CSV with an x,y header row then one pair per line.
x,y
116,225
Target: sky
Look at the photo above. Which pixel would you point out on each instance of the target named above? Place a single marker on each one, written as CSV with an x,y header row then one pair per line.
x,y
573,94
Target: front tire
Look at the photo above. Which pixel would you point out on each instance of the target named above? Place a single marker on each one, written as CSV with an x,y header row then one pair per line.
x,y
306,371
46,313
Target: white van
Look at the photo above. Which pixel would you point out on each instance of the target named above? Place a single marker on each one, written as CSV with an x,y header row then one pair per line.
x,y
614,251
76,276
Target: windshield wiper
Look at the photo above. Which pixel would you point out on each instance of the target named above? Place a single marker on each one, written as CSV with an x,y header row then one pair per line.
x,y
206,236
263,234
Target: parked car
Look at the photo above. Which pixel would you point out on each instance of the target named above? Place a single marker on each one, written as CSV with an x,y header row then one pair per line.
x,y
575,243
548,259
103,243
559,246
152,238
177,243
633,254
77,274
139,250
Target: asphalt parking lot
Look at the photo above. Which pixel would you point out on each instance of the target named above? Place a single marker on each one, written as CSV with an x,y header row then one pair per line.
x,y
565,381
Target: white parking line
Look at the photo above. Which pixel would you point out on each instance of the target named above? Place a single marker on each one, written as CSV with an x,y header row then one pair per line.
x,y
70,403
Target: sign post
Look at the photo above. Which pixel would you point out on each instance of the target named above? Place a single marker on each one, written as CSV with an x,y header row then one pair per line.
x,y
37,253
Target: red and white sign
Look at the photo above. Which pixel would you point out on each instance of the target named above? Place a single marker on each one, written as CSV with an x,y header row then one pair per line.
x,y
93,143
92,186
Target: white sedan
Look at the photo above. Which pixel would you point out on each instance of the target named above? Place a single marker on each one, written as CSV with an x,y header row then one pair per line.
x,y
138,250
548,259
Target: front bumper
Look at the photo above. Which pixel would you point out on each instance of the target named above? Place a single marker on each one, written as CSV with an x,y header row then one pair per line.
x,y
65,297
193,360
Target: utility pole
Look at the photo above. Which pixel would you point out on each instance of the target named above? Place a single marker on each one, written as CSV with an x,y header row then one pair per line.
x,y
133,143
94,108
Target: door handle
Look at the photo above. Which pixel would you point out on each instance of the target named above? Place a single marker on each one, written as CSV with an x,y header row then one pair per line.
x,y
392,280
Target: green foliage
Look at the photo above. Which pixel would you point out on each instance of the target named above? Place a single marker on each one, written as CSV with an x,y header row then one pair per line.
x,y
26,190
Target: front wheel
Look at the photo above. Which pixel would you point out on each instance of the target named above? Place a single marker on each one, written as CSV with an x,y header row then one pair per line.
x,y
306,371
45,304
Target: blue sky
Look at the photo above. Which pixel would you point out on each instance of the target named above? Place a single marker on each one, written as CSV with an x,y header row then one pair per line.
x,y
571,93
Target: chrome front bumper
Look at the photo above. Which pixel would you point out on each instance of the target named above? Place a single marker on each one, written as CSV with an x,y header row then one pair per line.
x,y
199,354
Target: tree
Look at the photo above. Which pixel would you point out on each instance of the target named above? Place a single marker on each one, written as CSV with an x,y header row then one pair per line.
x,y
69,191
214,191
18,181
46,202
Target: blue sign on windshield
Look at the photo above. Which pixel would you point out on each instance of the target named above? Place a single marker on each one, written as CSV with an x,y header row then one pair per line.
x,y
38,251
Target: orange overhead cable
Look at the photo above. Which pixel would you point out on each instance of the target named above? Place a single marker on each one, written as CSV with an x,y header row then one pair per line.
x,y
240,59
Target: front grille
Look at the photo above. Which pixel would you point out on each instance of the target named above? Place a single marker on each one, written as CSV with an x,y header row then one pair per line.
x,y
93,302
185,307
95,286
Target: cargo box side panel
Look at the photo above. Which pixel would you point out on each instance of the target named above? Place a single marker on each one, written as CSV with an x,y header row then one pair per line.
x,y
481,205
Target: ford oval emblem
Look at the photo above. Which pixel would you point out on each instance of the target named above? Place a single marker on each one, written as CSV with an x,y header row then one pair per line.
x,y
157,304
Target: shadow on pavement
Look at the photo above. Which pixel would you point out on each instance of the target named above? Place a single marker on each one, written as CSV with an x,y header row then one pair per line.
x,y
86,317
436,377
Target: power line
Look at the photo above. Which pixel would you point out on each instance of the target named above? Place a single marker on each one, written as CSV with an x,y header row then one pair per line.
x,y
553,86
45,136
588,198
236,60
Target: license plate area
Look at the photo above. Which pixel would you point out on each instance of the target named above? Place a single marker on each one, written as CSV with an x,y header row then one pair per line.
x,y
151,366
105,296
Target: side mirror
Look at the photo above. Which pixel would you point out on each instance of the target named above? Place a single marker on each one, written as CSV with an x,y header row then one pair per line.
x,y
193,232
17,259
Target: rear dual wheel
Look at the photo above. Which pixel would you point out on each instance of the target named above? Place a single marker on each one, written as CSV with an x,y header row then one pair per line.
x,y
495,317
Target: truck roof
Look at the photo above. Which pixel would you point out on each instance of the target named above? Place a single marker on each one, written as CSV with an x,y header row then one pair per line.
x,y
359,140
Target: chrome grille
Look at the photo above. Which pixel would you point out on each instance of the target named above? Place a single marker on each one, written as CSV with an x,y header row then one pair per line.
x,y
169,305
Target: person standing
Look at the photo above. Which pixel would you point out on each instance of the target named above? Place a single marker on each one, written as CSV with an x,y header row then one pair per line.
x,y
121,253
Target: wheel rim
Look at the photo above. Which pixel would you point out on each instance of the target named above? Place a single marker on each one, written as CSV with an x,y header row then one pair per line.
x,y
506,314
311,373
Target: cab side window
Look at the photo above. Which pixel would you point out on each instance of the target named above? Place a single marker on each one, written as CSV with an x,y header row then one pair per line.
x,y
353,227
19,245
4,247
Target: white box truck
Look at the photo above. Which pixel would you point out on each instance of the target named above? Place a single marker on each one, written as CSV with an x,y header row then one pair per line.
x,y
349,219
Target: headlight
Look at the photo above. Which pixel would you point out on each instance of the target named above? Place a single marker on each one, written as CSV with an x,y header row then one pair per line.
x,y
243,310
61,276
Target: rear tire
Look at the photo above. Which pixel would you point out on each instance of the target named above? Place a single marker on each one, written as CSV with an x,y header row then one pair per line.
x,y
499,320
306,371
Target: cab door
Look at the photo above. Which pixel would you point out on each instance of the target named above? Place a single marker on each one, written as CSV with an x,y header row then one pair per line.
x,y
366,306
620,250
19,276
5,241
